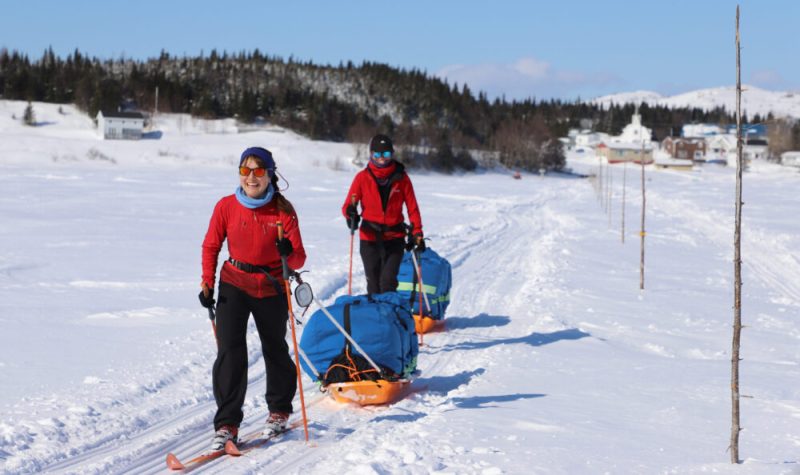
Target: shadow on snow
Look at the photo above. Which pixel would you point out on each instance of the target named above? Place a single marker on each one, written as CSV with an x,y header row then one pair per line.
x,y
534,339
481,402
480,321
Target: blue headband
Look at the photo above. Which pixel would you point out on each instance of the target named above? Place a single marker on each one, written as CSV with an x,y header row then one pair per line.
x,y
262,153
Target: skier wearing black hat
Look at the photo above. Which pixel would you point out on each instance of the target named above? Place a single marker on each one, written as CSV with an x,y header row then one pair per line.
x,y
382,188
251,281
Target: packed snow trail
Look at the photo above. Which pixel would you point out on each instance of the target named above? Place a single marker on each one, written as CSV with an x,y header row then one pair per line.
x,y
507,266
552,361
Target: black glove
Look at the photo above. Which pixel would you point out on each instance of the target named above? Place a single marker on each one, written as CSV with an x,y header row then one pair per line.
x,y
410,244
284,247
352,218
420,244
207,301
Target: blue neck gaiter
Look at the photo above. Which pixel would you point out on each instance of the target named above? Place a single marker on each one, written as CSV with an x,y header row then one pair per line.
x,y
253,203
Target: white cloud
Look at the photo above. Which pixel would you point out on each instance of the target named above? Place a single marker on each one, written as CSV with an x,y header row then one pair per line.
x,y
528,77
767,77
532,68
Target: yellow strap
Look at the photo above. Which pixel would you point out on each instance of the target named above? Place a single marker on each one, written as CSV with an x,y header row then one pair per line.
x,y
408,286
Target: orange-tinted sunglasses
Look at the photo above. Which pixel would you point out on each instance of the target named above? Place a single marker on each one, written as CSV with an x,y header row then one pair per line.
x,y
259,172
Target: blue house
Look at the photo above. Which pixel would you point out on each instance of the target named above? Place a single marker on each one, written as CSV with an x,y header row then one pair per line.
x,y
750,131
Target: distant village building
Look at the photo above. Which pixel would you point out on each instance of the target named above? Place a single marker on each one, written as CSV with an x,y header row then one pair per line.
x,y
619,152
700,130
790,159
750,131
587,139
678,164
583,140
121,125
720,147
687,148
755,149
634,132
632,145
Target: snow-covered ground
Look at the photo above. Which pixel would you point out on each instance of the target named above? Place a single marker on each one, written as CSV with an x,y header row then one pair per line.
x,y
553,360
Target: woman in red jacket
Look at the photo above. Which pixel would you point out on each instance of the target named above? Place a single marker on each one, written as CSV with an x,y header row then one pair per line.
x,y
382,188
251,281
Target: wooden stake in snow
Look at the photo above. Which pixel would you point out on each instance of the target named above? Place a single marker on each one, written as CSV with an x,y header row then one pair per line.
x,y
737,262
624,172
610,196
641,231
600,178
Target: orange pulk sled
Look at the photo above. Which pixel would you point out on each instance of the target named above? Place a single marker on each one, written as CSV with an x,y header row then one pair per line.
x,y
362,381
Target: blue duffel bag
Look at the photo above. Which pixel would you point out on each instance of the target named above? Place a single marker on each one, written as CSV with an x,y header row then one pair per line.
x,y
437,278
381,325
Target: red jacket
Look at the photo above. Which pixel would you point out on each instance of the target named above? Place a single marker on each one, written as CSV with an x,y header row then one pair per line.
x,y
251,236
365,190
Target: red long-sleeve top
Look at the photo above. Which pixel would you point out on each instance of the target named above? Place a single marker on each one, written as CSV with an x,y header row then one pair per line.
x,y
251,236
364,190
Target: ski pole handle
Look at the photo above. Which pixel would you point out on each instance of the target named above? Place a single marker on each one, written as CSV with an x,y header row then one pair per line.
x,y
284,264
353,201
211,315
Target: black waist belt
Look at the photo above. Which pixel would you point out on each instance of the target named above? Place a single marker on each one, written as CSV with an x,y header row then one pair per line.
x,y
382,228
253,269
379,229
250,268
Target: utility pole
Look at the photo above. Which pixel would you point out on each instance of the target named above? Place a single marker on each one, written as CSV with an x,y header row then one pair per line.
x,y
737,262
641,231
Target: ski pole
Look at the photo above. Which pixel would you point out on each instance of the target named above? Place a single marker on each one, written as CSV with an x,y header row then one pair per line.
x,y
352,238
421,285
286,277
211,315
347,335
309,363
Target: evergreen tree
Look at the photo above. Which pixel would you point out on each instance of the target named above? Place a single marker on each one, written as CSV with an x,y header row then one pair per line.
x,y
28,117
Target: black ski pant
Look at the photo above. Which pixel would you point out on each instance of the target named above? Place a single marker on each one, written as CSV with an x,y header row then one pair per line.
x,y
381,263
230,369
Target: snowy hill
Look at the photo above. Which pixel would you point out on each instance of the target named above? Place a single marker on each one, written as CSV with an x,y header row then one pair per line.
x,y
552,362
754,100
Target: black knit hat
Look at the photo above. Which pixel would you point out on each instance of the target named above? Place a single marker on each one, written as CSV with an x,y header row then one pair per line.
x,y
381,143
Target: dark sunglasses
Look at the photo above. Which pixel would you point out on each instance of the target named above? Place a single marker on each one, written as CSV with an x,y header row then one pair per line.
x,y
386,154
259,172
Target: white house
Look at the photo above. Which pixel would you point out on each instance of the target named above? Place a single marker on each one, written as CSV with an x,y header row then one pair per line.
x,y
587,139
755,149
700,130
790,159
719,148
120,125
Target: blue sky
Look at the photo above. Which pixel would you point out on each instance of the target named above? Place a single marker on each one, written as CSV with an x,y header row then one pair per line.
x,y
565,49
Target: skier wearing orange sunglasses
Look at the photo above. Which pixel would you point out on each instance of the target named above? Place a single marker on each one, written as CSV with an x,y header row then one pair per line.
x,y
251,282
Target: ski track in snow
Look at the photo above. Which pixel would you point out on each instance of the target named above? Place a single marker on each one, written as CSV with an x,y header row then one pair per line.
x,y
770,261
183,405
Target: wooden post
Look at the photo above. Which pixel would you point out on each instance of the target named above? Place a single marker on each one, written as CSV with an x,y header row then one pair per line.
x,y
624,173
737,262
641,231
600,182
610,195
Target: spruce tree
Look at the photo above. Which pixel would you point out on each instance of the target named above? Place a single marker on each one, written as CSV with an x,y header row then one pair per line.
x,y
28,117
